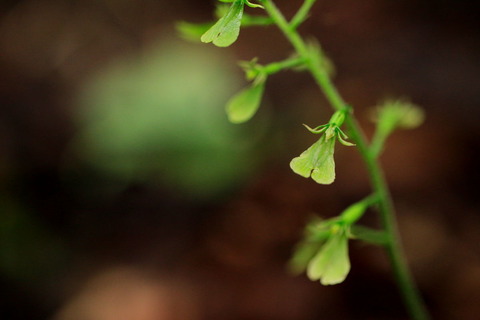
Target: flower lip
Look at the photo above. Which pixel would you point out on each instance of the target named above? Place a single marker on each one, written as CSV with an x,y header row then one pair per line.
x,y
331,264
317,161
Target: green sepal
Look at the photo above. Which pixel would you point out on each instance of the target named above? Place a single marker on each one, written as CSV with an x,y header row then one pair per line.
x,y
331,264
317,162
245,104
318,229
316,130
226,30
341,136
251,68
253,5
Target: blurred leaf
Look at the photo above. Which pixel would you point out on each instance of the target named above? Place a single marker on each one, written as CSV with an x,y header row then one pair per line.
x,y
29,252
160,118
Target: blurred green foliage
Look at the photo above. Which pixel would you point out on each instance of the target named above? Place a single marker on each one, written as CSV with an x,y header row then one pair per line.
x,y
159,117
29,252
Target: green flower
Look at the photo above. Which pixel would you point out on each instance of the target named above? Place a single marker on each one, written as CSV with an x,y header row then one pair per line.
x,y
331,264
393,114
226,30
316,232
317,161
323,251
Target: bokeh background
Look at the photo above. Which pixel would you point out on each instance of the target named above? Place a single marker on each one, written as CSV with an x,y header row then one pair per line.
x,y
126,194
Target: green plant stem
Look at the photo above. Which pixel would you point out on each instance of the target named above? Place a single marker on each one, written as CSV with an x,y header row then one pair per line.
x,y
302,13
275,67
408,289
377,143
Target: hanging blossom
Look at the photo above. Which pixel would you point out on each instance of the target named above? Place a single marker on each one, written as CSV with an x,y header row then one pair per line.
x,y
226,30
317,161
331,264
323,252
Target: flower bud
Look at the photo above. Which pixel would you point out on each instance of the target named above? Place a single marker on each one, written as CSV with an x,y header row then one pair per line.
x,y
393,114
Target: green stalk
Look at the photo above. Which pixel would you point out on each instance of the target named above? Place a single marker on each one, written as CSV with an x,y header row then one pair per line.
x,y
408,289
302,13
275,67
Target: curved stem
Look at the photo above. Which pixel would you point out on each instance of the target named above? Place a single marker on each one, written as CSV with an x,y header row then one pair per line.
x,y
408,289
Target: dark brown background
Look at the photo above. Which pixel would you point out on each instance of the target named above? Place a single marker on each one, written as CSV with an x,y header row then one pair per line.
x,y
149,252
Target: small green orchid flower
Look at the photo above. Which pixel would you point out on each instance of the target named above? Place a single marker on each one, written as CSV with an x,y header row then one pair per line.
x,y
331,264
226,30
323,253
316,233
317,161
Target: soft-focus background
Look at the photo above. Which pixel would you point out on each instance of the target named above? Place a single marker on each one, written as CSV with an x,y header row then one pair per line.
x,y
126,195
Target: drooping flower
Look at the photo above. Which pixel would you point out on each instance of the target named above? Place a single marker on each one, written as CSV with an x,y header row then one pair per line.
x,y
323,251
331,264
226,30
317,161
316,233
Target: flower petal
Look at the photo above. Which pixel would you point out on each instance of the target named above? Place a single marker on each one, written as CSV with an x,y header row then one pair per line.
x,y
226,30
325,172
245,104
304,252
332,264
302,165
317,161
